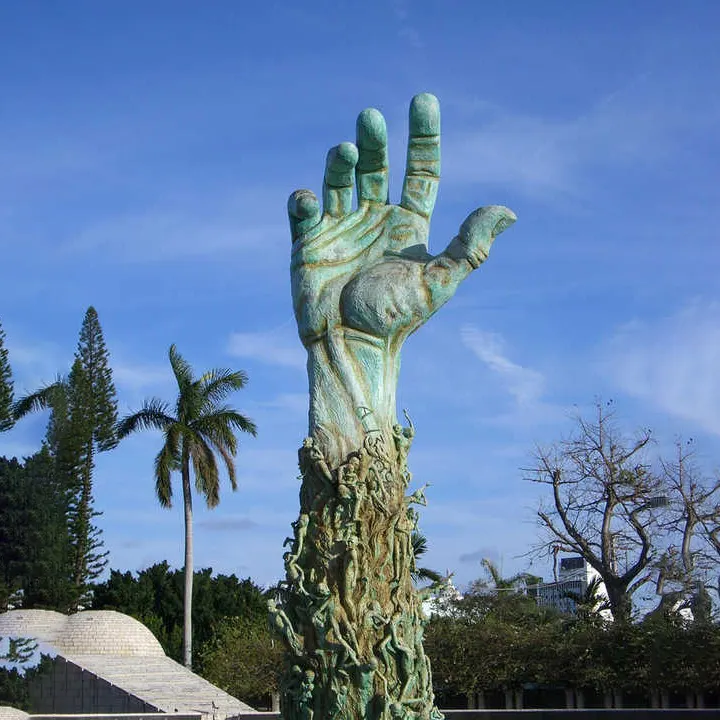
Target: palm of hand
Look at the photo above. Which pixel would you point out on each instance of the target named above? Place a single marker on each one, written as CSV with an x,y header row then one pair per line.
x,y
365,275
347,274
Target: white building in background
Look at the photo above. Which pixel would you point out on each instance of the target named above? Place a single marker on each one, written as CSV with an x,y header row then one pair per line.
x,y
441,603
574,576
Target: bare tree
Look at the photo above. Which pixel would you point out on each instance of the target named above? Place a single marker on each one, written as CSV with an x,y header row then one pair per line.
x,y
603,495
684,568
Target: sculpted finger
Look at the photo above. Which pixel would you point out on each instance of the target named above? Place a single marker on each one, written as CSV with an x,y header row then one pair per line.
x,y
478,232
338,183
372,166
422,173
303,211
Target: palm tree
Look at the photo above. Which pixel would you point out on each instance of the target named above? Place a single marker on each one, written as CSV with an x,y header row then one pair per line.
x,y
495,582
592,602
418,543
199,427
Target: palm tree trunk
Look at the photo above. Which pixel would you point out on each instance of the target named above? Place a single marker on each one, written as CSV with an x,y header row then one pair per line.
x,y
187,598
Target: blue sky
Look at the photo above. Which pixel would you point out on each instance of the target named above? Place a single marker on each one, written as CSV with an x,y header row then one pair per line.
x,y
148,150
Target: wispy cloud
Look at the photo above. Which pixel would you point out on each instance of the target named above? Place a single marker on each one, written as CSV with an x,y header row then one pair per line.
x,y
227,524
407,30
524,384
181,227
293,403
557,157
274,347
672,363
475,557
35,364
138,377
153,237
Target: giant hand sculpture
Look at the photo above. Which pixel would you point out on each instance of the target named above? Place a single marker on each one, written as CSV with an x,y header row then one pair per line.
x,y
363,280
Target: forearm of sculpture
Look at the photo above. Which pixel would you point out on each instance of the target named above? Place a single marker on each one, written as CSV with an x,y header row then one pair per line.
x,y
465,253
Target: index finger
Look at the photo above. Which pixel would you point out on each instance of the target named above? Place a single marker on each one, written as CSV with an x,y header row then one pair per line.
x,y
422,172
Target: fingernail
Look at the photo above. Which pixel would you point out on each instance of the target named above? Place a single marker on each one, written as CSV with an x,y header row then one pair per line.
x,y
425,115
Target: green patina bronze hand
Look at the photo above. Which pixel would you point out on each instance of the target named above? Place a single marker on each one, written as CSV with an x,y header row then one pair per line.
x,y
363,280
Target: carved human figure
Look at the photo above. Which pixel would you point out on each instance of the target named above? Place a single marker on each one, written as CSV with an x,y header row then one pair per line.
x,y
349,488
300,526
403,437
311,457
405,655
306,699
350,574
281,623
328,616
417,497
363,279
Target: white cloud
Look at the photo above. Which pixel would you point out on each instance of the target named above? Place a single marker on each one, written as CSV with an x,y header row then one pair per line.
x,y
524,384
138,377
35,364
673,363
275,347
248,220
555,157
295,404
407,31
156,236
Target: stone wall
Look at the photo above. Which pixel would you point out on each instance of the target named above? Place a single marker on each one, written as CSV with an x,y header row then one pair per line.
x,y
589,714
119,716
66,688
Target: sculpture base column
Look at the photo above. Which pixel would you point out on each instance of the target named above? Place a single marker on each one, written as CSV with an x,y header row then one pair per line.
x,y
349,613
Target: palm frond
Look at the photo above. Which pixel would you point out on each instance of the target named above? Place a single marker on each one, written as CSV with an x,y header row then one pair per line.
x,y
205,469
427,575
418,543
219,434
493,572
181,369
229,460
225,436
154,415
173,441
42,399
165,464
217,384
225,415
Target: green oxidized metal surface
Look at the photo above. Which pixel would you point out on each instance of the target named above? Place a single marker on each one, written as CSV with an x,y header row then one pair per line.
x,y
362,282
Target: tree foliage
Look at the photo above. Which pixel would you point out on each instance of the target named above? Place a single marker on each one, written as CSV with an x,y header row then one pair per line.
x,y
493,638
35,550
92,420
155,597
244,659
496,639
83,415
6,386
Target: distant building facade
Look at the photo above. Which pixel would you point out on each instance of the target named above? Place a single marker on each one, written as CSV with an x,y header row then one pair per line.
x,y
574,576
